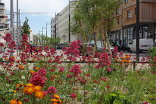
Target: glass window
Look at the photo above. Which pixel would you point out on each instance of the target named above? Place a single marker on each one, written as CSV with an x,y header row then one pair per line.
x,y
129,14
125,1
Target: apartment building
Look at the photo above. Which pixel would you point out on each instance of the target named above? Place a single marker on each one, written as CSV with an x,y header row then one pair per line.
x,y
3,21
53,22
125,21
62,23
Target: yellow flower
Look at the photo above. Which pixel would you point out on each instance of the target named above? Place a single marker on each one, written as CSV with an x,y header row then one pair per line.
x,y
14,101
39,94
37,88
14,91
54,100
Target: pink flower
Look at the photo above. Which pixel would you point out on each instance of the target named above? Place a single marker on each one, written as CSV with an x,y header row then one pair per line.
x,y
51,89
61,69
73,95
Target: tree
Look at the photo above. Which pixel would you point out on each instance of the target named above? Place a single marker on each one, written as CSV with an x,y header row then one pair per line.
x,y
96,18
26,27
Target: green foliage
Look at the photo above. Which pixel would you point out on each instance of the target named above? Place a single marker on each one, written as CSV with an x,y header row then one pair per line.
x,y
26,27
153,58
46,41
89,14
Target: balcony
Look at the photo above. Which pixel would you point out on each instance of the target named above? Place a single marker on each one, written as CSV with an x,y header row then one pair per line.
x,y
3,16
2,4
148,1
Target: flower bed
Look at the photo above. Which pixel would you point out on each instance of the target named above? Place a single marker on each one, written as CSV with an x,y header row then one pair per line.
x,y
55,82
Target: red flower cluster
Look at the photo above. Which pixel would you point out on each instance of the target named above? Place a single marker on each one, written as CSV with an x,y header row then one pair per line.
x,y
8,37
1,44
51,90
38,78
73,50
12,45
73,95
104,60
75,70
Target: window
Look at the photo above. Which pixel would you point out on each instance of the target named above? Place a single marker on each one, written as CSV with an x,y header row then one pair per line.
x,y
125,1
118,21
129,14
117,11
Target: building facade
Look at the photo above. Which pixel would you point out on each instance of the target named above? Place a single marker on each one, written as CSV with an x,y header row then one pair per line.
x,y
3,22
61,23
53,27
125,21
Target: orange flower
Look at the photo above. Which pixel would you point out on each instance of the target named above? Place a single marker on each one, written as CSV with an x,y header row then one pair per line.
x,y
6,59
31,71
56,96
30,85
14,101
56,101
29,90
21,67
37,88
36,68
39,94
18,85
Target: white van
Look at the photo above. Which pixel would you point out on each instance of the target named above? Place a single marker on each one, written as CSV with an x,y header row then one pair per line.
x,y
144,45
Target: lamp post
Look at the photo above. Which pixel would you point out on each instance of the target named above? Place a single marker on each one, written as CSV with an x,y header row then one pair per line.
x,y
69,22
11,18
137,29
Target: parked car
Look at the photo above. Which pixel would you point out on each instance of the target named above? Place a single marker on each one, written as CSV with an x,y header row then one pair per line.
x,y
61,46
99,45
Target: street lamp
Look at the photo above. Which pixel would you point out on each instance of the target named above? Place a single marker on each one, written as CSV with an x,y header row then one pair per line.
x,y
137,30
11,18
69,22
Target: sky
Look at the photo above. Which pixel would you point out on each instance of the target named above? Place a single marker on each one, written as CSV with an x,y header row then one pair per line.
x,y
37,21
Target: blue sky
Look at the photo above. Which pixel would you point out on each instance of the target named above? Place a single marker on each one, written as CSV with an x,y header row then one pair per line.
x,y
37,21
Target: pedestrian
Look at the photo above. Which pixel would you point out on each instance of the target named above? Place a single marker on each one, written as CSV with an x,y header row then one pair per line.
x,y
31,49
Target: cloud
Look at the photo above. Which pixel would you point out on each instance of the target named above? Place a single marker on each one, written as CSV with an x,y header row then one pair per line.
x,y
50,6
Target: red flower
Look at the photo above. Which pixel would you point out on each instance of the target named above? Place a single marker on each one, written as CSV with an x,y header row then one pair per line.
x,y
8,37
109,69
145,103
61,69
73,95
1,44
69,76
75,70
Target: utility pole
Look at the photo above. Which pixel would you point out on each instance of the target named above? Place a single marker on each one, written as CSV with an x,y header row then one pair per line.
x,y
69,22
137,29
46,29
11,19
55,31
42,36
17,27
